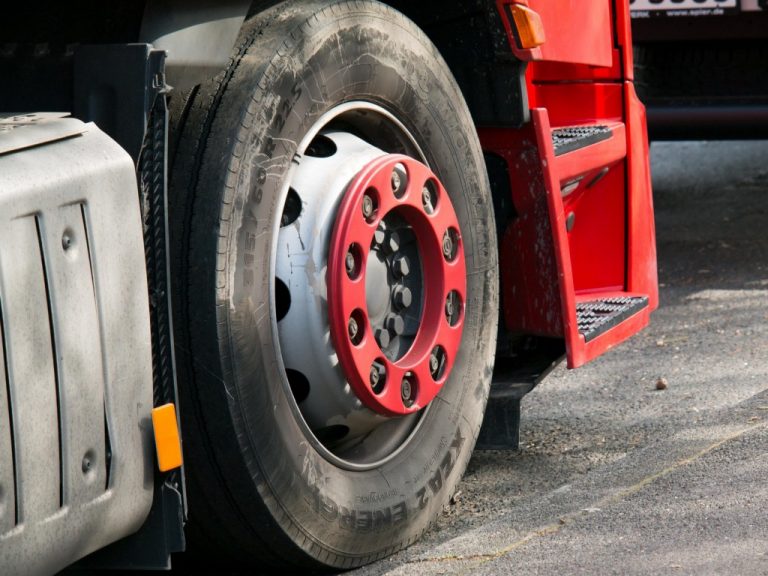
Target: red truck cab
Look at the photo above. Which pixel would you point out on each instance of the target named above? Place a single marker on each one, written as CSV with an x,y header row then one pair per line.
x,y
325,247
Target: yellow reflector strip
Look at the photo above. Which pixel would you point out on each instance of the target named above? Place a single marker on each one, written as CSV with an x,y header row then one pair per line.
x,y
167,441
530,30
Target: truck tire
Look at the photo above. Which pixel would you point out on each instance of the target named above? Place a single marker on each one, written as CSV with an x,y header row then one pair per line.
x,y
286,466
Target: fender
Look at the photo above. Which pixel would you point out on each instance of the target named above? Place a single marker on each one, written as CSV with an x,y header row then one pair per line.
x,y
198,35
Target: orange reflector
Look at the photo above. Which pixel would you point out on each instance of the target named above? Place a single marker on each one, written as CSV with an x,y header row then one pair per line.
x,y
167,441
530,30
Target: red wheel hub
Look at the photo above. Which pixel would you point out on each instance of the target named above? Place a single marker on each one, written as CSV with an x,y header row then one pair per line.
x,y
402,186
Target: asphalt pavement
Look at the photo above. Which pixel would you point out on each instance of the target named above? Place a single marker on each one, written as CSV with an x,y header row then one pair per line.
x,y
615,476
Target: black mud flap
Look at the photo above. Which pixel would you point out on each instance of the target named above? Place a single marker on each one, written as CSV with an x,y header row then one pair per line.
x,y
513,378
163,532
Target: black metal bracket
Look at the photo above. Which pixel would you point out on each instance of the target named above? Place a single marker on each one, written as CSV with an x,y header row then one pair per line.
x,y
122,88
514,377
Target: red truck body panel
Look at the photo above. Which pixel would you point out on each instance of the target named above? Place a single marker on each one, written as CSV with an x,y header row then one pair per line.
x,y
597,244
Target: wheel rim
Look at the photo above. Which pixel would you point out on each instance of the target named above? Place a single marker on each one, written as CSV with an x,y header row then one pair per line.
x,y
353,424
389,188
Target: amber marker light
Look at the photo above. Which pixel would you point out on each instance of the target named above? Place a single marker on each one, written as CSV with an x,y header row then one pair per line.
x,y
167,441
530,30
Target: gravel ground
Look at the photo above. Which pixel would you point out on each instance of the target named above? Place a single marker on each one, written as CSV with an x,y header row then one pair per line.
x,y
613,475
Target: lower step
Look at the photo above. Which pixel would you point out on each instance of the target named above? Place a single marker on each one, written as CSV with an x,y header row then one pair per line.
x,y
595,317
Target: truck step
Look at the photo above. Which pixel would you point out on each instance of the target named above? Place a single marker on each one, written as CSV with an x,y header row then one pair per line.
x,y
579,151
572,138
594,317
583,187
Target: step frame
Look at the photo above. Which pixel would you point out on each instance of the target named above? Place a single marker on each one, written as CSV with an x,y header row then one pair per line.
x,y
559,169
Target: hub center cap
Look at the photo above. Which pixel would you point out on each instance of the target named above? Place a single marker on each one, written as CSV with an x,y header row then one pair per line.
x,y
396,285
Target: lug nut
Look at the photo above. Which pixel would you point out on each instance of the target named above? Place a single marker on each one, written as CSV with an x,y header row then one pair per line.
x,y
383,337
349,262
399,180
427,200
434,364
400,266
403,297
452,308
396,181
406,392
353,329
448,246
396,324
436,361
368,206
377,377
394,241
379,237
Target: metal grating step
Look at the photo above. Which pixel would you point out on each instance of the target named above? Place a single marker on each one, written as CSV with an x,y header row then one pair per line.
x,y
572,138
597,316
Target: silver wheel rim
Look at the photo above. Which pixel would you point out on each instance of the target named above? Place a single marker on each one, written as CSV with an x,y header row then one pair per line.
x,y
333,420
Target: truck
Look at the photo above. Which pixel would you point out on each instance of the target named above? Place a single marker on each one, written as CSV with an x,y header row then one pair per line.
x,y
701,67
270,270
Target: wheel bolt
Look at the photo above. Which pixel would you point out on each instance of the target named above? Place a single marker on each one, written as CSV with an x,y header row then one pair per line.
x,y
379,237
401,267
349,262
383,337
353,329
394,242
452,308
377,377
396,324
367,206
436,362
395,181
447,246
434,365
426,200
399,180
403,297
406,392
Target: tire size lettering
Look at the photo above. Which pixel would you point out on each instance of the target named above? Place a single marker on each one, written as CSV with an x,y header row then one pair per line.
x,y
437,480
270,143
357,520
249,260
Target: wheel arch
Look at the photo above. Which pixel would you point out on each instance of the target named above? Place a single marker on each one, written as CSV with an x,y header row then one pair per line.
x,y
198,36
470,36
